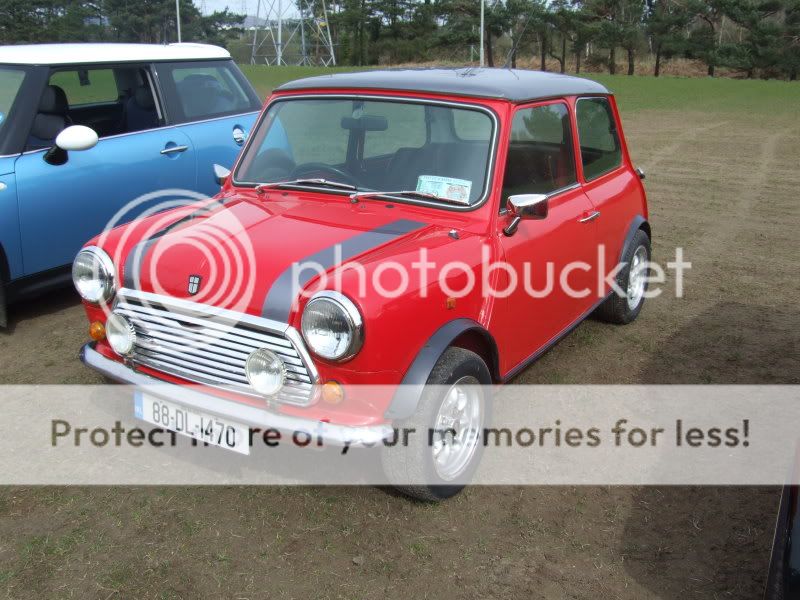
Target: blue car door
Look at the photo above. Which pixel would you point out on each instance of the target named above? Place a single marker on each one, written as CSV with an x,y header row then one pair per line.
x,y
215,106
63,206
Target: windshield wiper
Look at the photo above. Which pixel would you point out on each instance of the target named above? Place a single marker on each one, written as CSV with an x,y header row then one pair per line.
x,y
309,181
406,193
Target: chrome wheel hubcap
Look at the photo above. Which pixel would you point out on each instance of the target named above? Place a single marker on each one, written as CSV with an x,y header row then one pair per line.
x,y
457,428
637,277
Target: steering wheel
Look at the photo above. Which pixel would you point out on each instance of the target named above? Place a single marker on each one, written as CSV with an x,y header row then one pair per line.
x,y
313,168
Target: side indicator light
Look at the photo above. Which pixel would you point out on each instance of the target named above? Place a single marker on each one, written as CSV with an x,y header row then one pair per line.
x,y
97,331
332,392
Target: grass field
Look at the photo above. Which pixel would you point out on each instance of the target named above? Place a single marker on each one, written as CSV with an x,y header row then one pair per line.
x,y
722,163
633,93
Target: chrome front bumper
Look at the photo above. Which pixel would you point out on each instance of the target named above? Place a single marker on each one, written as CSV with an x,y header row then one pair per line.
x,y
335,435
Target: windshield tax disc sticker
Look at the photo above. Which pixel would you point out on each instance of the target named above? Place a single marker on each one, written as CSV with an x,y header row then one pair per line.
x,y
456,190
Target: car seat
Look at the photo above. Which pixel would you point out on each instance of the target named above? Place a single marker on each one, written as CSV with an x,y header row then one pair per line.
x,y
140,110
51,118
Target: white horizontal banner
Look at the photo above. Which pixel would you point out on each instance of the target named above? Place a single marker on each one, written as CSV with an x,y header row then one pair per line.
x,y
538,435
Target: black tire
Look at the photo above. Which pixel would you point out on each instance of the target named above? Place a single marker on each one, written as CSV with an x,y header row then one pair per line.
x,y
414,461
615,309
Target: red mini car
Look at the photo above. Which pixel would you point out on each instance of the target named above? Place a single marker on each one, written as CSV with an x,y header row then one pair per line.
x,y
418,226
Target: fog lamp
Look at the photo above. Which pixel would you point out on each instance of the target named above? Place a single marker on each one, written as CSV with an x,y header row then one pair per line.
x,y
265,371
121,334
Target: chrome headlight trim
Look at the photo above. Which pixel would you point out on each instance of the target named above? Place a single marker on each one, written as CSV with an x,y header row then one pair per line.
x,y
110,272
352,316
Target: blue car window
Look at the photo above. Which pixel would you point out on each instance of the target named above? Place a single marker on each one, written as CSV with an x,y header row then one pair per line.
x,y
10,82
206,92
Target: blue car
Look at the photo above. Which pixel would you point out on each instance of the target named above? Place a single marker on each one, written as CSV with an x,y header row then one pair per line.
x,y
87,128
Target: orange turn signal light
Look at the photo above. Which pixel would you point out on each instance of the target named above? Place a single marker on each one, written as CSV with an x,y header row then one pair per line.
x,y
97,331
332,392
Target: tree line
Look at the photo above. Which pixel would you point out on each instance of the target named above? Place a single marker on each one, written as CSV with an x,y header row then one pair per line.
x,y
145,21
754,38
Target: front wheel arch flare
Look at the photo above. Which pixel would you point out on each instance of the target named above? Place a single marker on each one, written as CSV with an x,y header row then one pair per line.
x,y
455,332
638,222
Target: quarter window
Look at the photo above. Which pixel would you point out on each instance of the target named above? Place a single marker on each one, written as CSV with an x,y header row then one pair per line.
x,y
540,156
600,148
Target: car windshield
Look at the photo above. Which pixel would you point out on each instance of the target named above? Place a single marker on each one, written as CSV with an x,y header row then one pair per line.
x,y
440,150
10,82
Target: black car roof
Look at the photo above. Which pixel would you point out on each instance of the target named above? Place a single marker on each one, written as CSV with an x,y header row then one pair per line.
x,y
514,85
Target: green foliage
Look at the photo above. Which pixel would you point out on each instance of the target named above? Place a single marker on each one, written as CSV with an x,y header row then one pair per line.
x,y
154,21
757,38
50,21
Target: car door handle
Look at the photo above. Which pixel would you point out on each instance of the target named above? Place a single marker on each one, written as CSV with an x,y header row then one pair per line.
x,y
174,149
590,217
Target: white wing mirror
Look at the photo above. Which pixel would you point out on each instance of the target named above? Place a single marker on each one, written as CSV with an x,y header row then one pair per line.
x,y
77,137
73,138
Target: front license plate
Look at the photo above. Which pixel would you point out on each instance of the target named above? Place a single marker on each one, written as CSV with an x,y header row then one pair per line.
x,y
202,427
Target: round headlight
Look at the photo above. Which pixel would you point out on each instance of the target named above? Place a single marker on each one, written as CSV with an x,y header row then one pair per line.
x,y
265,372
120,334
93,275
332,326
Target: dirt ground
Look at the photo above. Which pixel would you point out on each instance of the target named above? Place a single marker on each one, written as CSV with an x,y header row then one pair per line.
x,y
722,187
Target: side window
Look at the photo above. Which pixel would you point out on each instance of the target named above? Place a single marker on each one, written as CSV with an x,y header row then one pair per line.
x,y
85,86
540,157
205,90
600,147
405,128
112,101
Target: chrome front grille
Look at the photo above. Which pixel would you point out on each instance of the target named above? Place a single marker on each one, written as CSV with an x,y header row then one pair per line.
x,y
206,345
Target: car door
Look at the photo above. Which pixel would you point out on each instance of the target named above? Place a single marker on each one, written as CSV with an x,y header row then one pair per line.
x,y
62,206
613,189
555,257
215,106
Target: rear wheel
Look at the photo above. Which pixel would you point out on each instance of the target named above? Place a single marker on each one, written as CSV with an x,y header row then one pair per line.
x,y
622,309
445,447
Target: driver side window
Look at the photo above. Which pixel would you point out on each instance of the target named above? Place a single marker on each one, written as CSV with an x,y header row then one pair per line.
x,y
540,152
